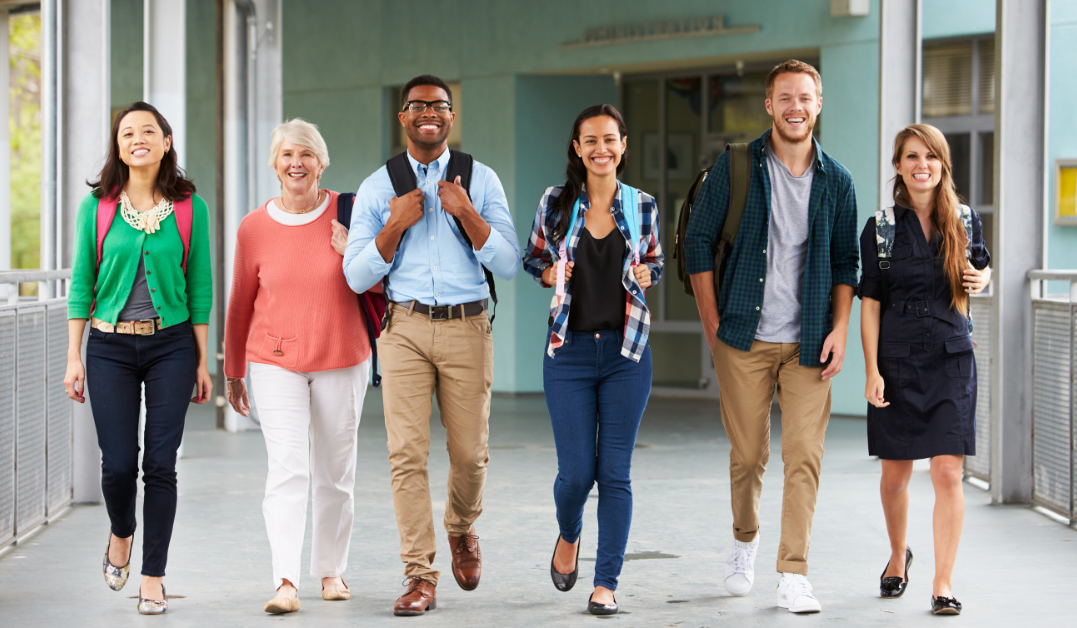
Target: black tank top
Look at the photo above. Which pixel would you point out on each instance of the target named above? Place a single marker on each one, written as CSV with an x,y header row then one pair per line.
x,y
598,296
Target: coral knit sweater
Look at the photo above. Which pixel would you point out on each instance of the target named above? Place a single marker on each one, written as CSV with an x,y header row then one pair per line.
x,y
290,305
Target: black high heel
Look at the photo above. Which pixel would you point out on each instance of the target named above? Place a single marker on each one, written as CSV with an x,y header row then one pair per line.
x,y
565,581
601,609
893,586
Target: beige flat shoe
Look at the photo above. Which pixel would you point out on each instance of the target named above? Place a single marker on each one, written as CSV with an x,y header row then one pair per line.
x,y
337,594
281,605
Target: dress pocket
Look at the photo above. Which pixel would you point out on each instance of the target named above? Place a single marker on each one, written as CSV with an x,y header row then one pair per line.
x,y
959,357
280,351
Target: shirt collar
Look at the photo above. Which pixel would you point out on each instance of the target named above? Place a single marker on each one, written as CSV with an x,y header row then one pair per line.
x,y
819,166
442,162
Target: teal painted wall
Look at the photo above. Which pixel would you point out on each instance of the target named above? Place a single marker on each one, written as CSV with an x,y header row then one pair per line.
x,y
954,18
1062,131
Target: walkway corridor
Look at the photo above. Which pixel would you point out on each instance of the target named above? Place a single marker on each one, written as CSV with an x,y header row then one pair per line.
x,y
1016,567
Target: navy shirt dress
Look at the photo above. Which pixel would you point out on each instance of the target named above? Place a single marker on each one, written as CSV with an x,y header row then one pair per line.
x,y
925,349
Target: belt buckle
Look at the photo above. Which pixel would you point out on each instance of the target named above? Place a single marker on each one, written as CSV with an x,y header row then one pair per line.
x,y
153,326
442,316
922,309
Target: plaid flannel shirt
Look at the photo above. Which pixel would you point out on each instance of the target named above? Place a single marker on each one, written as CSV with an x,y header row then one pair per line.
x,y
542,252
833,251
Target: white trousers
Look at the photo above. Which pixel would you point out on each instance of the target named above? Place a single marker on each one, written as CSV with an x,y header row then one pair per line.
x,y
310,423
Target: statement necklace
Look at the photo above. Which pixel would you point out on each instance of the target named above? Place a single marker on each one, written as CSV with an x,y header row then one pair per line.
x,y
148,221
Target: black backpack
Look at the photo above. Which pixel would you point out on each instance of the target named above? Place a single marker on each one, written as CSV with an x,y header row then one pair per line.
x,y
460,165
740,177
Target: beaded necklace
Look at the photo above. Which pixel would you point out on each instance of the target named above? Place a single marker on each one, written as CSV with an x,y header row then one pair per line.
x,y
148,221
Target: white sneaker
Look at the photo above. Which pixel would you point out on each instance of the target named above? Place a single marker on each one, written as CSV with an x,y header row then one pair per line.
x,y
794,593
740,567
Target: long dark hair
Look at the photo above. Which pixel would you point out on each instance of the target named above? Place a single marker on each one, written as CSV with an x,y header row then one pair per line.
x,y
576,172
171,179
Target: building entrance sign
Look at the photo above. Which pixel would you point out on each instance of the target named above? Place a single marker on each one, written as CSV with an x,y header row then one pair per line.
x,y
660,30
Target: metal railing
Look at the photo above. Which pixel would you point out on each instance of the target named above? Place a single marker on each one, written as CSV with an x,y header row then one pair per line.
x,y
1053,364
979,466
35,414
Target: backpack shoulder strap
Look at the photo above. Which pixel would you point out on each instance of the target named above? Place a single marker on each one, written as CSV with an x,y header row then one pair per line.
x,y
400,174
630,209
966,221
740,177
345,202
885,229
460,165
184,212
106,211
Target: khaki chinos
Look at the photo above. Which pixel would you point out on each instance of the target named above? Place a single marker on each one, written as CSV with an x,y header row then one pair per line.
x,y
453,359
746,381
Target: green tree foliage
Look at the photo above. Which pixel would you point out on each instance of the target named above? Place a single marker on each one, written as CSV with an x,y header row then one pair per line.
x,y
24,59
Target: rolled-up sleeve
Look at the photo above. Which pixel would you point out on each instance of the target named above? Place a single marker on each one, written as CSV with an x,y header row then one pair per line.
x,y
871,286
501,252
844,256
363,264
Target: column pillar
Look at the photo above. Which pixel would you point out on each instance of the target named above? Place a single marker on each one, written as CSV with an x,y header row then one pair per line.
x,y
5,161
164,73
80,72
1020,196
899,82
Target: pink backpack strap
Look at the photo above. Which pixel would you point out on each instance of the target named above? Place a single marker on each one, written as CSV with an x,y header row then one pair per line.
x,y
106,211
184,211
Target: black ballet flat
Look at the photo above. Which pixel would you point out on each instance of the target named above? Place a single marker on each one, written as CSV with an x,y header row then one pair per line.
x,y
565,581
945,606
601,609
893,586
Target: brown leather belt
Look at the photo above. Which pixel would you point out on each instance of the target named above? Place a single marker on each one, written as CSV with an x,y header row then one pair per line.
x,y
146,327
445,312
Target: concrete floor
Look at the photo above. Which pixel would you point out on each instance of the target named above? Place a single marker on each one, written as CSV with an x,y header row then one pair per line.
x,y
1016,567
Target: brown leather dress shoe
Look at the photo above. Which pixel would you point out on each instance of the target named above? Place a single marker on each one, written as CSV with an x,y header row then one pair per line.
x,y
421,597
466,560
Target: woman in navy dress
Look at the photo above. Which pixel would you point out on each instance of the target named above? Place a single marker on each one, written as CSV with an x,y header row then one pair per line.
x,y
920,267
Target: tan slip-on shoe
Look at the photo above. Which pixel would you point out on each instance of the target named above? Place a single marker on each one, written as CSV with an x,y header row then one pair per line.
x,y
280,605
337,594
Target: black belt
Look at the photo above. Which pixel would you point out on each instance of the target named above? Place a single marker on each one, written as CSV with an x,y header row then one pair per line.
x,y
445,312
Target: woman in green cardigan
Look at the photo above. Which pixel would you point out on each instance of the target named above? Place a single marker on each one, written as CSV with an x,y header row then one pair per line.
x,y
141,275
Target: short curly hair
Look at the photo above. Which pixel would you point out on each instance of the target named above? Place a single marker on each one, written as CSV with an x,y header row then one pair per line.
x,y
794,66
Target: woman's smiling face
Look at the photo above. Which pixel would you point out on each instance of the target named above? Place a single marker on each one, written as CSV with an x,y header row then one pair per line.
x,y
141,141
298,168
919,167
600,145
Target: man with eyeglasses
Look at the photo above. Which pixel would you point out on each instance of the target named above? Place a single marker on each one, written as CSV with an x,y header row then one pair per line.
x,y
433,246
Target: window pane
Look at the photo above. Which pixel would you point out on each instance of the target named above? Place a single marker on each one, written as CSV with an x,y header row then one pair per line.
x,y
987,168
959,155
737,109
987,76
947,80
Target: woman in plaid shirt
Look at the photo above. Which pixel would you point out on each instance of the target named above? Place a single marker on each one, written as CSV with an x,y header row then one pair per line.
x,y
597,367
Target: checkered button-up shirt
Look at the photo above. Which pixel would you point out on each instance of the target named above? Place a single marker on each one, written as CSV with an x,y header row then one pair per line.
x,y
833,252
542,252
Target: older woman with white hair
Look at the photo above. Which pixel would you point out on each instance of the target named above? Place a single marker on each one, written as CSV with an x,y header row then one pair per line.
x,y
293,318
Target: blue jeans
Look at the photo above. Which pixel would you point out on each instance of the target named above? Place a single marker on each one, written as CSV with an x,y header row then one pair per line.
x,y
596,399
116,367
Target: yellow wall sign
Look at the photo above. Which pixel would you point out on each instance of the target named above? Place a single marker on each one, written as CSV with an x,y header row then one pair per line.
x,y
1066,198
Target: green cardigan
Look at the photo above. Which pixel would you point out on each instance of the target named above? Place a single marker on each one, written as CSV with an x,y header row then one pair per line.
x,y
177,298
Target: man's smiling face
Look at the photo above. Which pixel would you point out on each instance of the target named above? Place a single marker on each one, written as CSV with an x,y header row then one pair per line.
x,y
428,128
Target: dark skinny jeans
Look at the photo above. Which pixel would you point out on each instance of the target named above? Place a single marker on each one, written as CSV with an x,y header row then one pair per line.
x,y
116,367
596,399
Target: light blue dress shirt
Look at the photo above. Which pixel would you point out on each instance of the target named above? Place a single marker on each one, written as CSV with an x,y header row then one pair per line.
x,y
433,265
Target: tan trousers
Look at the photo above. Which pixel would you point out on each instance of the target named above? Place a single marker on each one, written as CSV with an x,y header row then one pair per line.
x,y
454,360
746,381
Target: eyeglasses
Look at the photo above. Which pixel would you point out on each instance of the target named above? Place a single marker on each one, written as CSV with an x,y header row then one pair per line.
x,y
420,106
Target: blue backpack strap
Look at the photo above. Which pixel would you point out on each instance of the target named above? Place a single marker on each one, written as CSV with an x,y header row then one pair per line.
x,y
630,209
345,201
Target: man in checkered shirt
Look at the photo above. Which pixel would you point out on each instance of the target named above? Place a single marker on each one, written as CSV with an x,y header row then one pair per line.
x,y
782,318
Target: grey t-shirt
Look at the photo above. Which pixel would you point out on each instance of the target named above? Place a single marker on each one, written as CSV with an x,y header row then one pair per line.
x,y
787,252
139,305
